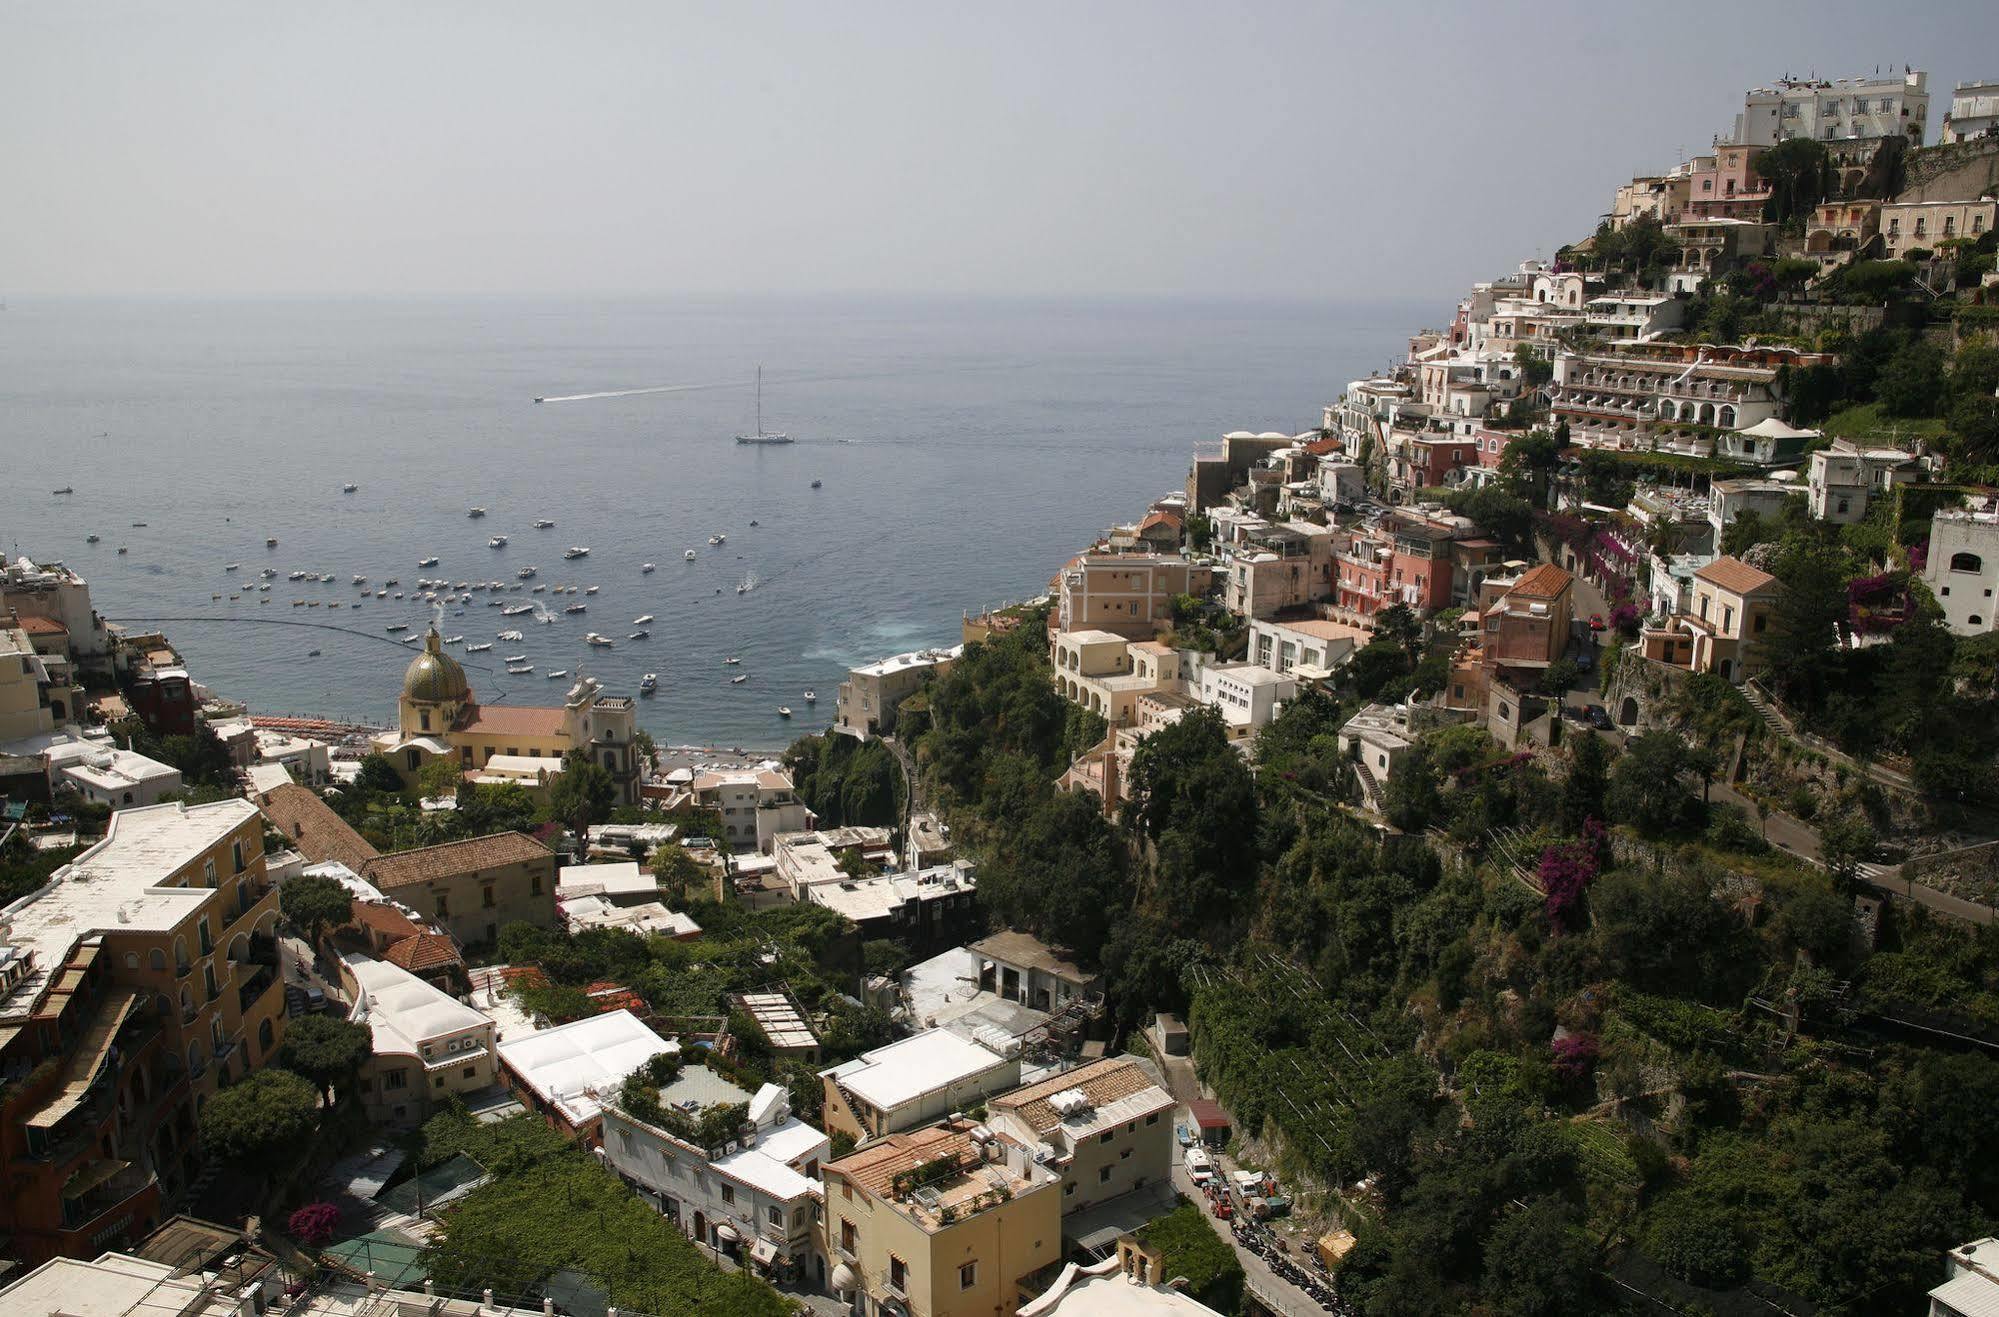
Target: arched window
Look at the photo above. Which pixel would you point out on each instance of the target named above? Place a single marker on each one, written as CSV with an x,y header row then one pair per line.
x,y
131,960
1966,562
1725,418
158,959
1975,620
264,1036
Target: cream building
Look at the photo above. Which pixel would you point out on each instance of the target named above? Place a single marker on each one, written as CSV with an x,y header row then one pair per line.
x,y
1109,1125
438,717
36,696
1724,630
1107,674
872,692
429,1046
1909,224
939,1222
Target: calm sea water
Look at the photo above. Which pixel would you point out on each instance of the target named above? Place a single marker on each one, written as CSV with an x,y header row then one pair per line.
x,y
965,449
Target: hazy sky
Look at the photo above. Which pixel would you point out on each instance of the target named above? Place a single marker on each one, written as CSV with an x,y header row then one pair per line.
x,y
1305,150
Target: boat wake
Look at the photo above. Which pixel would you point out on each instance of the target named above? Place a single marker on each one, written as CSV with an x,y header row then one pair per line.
x,y
633,393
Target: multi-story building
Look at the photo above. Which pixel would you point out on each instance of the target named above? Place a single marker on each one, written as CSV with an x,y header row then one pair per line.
x,y
1309,648
1270,568
108,775
475,887
939,1222
1247,695
1725,185
1974,112
1841,109
804,860
1520,628
1657,197
1107,674
1845,477
438,718
1837,229
1712,246
1632,317
1681,398
752,1193
133,984
1730,498
428,1046
1908,225
1405,558
565,1075
872,692
58,595
1127,594
1963,566
756,803
1725,630
1109,1124
37,697
1219,468
913,1081
924,908
1971,1281
1021,967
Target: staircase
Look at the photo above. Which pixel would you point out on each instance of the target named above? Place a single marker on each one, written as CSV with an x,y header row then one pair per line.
x,y
1370,788
1764,709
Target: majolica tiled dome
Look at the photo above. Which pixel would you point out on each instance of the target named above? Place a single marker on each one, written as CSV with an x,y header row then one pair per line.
x,y
434,676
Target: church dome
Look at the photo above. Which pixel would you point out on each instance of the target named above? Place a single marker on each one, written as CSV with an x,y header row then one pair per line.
x,y
434,676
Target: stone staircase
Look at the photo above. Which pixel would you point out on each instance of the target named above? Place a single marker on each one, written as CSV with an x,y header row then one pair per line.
x,y
1765,710
1370,786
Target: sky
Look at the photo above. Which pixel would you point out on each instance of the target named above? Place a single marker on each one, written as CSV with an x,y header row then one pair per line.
x,y
1256,150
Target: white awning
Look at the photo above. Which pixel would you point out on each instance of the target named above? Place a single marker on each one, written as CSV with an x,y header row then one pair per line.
x,y
763,1251
727,1234
844,1280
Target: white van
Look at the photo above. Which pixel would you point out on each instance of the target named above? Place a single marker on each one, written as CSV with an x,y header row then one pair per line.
x,y
1200,1166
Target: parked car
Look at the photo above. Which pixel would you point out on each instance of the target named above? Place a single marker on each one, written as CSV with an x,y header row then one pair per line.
x,y
1599,717
1596,622
1583,661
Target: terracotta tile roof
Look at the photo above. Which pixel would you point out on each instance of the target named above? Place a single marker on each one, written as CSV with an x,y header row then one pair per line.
x,y
509,720
387,920
1152,519
423,953
1103,1082
1735,575
430,863
43,626
1544,582
313,829
875,1167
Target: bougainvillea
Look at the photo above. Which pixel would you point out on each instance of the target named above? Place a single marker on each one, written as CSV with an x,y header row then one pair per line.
x,y
1567,870
314,1223
1574,1057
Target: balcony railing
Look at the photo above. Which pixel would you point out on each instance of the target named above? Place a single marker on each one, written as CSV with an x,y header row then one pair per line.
x,y
253,988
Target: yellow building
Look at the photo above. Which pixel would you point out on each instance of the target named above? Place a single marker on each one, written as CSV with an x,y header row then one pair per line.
x,y
939,1222
438,717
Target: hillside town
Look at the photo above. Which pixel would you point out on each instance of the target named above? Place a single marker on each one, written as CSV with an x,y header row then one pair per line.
x,y
1526,843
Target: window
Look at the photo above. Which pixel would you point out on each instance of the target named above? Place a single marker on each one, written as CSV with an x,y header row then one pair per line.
x,y
412,758
1069,1189
1124,1155
424,718
1105,1137
208,873
1966,562
1920,222
850,1238
728,1193
1103,1175
534,884
968,1275
470,1071
443,905
396,1079
898,1274
1153,1119
486,896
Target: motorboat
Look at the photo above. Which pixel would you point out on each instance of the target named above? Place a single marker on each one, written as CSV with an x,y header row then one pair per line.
x,y
544,524
497,542
717,539
601,642
92,539
689,555
454,640
394,627
811,697
538,589
527,573
647,568
298,603
648,683
642,619
817,483
312,653
479,648
234,566
737,681
268,573
270,541
732,662
588,589
349,488
558,674
639,634
475,513
392,582
521,670
753,521
515,658
66,489
515,610
410,639
381,594
296,576
575,608
784,710
506,635
576,551
360,580
398,594
426,562
123,550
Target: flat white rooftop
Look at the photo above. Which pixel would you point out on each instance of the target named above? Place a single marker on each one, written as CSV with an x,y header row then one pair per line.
x,y
609,880
571,1064
903,1071
403,1010
919,658
112,1285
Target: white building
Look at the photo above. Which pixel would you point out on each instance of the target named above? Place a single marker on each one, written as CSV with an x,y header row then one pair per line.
x,y
1127,1284
756,1199
1247,695
808,859
1836,110
645,918
914,1081
618,883
120,778
756,803
428,1044
1963,566
902,905
1974,112
54,592
566,1074
1971,1286
1309,649
1729,499
1845,477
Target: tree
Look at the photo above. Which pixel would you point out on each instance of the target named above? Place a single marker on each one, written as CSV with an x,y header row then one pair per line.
x,y
1846,840
255,1124
1647,787
327,1050
644,751
1806,622
1912,384
676,870
1799,172
1412,797
440,779
378,773
313,904
1200,532
1537,1264
1820,922
582,795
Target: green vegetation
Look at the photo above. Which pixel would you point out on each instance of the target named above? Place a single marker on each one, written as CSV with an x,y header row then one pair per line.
x,y
846,782
313,904
326,1050
1189,1247
261,1121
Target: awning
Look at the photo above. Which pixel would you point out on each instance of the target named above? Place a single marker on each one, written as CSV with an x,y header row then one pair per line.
x,y
90,1055
763,1251
91,1176
727,1234
844,1280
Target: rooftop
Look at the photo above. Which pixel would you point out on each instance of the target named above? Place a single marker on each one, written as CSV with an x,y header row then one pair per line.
x,y
431,863
1109,1092
571,1064
1544,582
620,879
1030,952
905,1070
509,720
404,1011
1101,1290
960,1178
1734,575
778,1016
313,829
919,658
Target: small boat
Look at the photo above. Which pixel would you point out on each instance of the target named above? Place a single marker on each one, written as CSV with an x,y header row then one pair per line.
x,y
731,662
507,635
426,562
349,488
298,603
538,589
270,541
296,576
639,634
394,627
66,489
648,683
689,555
92,539
360,580
475,513
234,566
392,582
601,642
811,697
817,483
520,670
515,610
137,525
753,521
642,619
515,658
588,589
497,542
717,539
454,640
410,640
647,568
575,608
527,573
784,710
479,648
576,551
544,524
381,594
312,653
737,681
399,594
215,599
558,674
268,573
122,549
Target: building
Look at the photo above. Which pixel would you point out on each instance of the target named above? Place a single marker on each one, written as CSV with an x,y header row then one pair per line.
x,y
756,804
1247,696
1132,1283
1520,628
1841,109
1845,477
1271,567
429,1046
930,907
1971,1281
1725,630
913,1081
1963,566
311,828
1711,246
808,859
36,695
475,887
872,692
1108,1123
1107,674
1730,498
1023,968
621,883
1376,740
1838,229
1310,649
56,594
1126,594
133,984
437,717
753,1195
108,775
1698,400
1908,225
1974,112
942,1221
566,1074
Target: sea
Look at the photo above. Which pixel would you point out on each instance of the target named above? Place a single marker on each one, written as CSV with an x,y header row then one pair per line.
x,y
950,454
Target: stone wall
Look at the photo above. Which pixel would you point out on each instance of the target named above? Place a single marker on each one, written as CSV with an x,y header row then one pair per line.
x,y
1959,171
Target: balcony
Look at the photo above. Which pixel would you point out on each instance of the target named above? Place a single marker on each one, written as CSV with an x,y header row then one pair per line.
x,y
251,990
100,1188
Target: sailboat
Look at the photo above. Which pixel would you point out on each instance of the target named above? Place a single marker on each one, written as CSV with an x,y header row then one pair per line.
x,y
762,436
